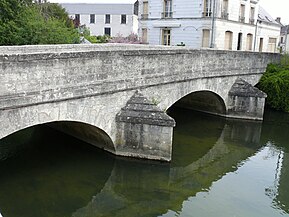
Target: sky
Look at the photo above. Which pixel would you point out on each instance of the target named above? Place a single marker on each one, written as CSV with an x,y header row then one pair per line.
x,y
276,8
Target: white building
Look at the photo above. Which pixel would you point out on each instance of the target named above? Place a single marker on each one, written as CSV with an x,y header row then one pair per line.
x,y
109,19
267,32
220,24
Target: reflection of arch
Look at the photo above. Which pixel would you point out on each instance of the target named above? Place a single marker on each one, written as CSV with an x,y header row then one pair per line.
x,y
206,101
83,131
61,170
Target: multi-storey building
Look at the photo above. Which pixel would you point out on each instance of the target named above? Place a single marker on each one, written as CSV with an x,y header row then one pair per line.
x,y
105,19
219,24
284,37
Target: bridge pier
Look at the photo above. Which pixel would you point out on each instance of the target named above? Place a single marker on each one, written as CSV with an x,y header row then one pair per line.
x,y
143,130
245,101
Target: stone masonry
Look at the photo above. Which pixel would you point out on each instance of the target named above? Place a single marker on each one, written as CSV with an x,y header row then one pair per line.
x,y
89,85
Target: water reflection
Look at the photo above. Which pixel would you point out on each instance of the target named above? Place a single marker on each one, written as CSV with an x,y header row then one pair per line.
x,y
52,176
275,130
219,168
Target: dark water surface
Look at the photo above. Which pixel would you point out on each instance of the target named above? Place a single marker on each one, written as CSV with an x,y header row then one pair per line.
x,y
219,168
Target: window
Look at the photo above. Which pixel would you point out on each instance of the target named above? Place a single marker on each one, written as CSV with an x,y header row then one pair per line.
x,y
228,40
240,38
249,42
107,31
144,35
272,45
76,20
242,14
123,19
207,8
206,38
225,6
225,14
261,45
166,37
107,18
168,10
92,18
145,10
252,15
77,17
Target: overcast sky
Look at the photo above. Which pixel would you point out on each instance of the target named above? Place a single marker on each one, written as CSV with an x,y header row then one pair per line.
x,y
276,8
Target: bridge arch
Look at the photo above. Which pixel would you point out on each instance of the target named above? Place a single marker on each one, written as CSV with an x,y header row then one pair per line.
x,y
84,131
204,100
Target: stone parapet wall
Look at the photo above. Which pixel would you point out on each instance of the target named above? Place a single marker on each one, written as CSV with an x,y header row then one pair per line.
x,y
68,72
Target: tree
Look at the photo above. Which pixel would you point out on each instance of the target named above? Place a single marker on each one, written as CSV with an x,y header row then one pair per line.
x,y
275,83
24,22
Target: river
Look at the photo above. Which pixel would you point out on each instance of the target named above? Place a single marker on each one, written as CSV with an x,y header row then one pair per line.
x,y
220,167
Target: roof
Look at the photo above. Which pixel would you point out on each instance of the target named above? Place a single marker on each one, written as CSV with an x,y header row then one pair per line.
x,y
264,16
83,8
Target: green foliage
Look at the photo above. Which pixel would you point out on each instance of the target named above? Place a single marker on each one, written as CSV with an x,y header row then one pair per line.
x,y
275,82
92,38
55,11
22,22
98,38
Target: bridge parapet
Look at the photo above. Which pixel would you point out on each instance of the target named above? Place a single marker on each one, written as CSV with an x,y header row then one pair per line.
x,y
55,73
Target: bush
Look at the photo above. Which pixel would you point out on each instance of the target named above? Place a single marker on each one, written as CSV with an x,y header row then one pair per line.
x,y
85,32
131,39
275,82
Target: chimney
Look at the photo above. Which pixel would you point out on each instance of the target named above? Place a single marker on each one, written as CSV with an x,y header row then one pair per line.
x,y
278,20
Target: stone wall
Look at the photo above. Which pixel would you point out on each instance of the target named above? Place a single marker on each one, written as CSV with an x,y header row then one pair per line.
x,y
91,83
34,78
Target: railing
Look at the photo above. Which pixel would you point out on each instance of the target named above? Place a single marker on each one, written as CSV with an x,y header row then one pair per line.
x,y
207,14
225,15
241,19
251,21
167,14
144,16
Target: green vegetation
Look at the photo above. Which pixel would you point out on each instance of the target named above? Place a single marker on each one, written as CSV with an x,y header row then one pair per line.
x,y
24,22
92,38
275,82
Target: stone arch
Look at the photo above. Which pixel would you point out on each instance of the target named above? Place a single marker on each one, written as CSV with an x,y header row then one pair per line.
x,y
203,100
84,131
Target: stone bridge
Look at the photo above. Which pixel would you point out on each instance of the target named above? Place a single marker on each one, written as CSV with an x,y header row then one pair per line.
x,y
116,96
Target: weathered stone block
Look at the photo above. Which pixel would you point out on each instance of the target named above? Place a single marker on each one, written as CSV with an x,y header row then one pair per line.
x,y
143,130
246,101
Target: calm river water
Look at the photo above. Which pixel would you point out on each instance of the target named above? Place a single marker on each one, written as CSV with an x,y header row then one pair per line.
x,y
219,168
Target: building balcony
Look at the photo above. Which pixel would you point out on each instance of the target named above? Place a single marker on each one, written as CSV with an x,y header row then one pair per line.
x,y
144,16
225,15
241,19
167,15
207,14
252,21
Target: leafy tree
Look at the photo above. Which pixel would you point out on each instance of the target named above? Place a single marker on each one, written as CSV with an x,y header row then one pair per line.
x,y
52,10
275,82
24,22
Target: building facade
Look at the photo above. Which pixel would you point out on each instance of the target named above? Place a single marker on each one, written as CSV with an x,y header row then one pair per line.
x,y
284,37
219,24
105,19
